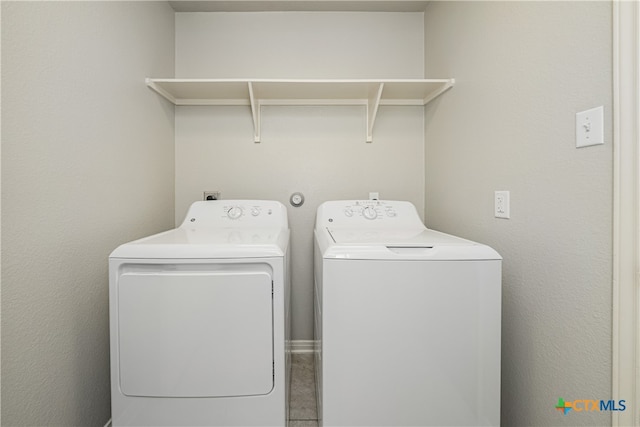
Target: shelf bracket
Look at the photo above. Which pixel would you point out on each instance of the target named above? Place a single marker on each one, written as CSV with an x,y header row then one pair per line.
x,y
255,113
373,102
152,85
448,85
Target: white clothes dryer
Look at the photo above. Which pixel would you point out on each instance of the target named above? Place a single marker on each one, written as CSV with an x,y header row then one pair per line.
x,y
199,320
407,320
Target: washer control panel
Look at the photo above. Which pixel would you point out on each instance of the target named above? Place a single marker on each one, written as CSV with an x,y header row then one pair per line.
x,y
367,213
374,209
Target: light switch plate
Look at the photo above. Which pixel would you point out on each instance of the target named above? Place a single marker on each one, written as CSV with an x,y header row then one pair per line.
x,y
589,127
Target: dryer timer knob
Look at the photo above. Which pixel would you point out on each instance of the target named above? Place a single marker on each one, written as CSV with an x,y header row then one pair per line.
x,y
235,212
369,212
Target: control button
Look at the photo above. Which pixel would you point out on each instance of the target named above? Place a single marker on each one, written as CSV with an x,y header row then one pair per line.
x,y
235,212
369,212
348,212
255,211
391,213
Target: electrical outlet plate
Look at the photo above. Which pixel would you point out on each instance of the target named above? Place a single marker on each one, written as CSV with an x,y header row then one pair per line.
x,y
374,196
211,195
501,205
590,127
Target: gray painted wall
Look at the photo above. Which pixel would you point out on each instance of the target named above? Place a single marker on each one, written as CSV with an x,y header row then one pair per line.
x,y
523,69
319,151
87,164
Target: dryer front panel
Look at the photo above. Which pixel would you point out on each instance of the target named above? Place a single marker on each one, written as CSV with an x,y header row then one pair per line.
x,y
195,332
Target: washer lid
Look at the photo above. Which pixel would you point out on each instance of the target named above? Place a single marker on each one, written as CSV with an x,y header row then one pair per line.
x,y
412,237
403,244
211,242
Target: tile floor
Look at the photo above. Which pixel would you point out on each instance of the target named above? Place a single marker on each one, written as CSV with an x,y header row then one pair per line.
x,y
302,401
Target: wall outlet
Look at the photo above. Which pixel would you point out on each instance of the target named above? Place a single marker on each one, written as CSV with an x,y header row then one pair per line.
x,y
211,195
501,204
374,196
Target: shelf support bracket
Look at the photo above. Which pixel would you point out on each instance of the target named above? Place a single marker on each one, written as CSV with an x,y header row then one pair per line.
x,y
152,85
373,102
255,113
439,92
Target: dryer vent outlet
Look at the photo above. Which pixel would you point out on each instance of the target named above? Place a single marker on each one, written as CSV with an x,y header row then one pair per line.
x,y
211,195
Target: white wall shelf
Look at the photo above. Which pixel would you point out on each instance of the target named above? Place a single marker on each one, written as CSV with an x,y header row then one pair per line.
x,y
259,92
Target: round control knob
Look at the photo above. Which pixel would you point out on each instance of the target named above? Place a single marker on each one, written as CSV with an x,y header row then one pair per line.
x,y
348,212
255,211
369,212
235,212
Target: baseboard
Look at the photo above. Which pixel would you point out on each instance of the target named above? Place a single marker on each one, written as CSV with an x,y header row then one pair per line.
x,y
303,346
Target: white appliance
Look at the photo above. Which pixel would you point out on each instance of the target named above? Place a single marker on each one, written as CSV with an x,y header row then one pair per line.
x,y
407,320
199,319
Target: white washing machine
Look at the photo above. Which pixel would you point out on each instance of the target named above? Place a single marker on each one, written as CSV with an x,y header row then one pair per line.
x,y
407,320
199,320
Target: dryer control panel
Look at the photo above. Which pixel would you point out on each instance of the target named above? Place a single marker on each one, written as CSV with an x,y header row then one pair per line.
x,y
236,213
368,213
